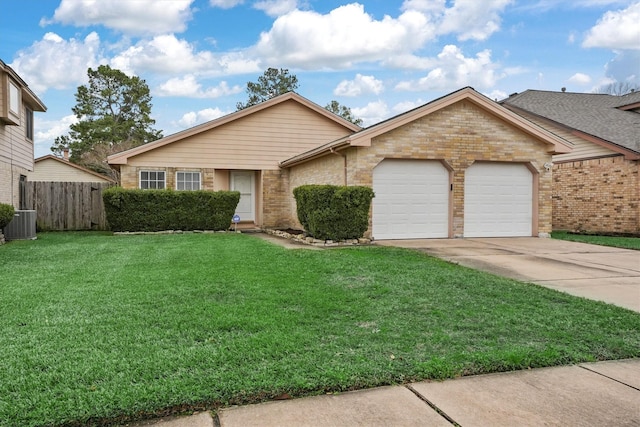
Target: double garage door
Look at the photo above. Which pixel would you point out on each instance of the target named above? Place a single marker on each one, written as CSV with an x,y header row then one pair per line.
x,y
412,200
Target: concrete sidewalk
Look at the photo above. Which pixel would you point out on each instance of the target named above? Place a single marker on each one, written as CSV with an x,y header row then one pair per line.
x,y
589,394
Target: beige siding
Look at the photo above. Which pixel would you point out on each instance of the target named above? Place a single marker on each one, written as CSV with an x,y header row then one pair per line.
x,y
15,149
16,158
53,170
259,141
582,149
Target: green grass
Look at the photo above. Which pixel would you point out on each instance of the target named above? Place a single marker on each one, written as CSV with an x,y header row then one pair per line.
x,y
618,242
98,329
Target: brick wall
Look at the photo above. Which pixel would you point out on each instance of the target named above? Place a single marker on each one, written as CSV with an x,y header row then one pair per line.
x,y
457,135
276,212
10,184
599,195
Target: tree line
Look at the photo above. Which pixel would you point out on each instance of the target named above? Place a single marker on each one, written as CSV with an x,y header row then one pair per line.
x,y
114,114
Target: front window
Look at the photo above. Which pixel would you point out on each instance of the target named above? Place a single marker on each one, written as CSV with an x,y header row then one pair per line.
x,y
152,180
187,180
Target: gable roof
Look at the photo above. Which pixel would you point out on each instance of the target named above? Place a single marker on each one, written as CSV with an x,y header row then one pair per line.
x,y
609,118
73,166
28,96
363,138
121,158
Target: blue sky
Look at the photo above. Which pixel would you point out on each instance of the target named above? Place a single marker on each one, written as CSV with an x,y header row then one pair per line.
x,y
378,57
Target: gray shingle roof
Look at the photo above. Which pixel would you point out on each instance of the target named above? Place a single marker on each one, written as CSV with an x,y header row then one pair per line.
x,y
595,114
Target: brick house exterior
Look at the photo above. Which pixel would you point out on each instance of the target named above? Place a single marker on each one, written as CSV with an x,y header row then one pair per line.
x,y
17,105
596,187
289,141
458,130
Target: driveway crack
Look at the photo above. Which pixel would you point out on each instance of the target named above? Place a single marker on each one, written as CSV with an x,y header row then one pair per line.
x,y
432,406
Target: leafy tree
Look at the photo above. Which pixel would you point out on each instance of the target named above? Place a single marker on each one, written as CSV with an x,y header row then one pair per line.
x,y
272,83
618,88
114,110
344,112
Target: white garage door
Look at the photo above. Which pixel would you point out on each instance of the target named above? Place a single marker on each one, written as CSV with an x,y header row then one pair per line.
x,y
498,200
411,199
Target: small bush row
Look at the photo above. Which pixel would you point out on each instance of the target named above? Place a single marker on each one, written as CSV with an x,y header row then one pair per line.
x,y
6,215
330,212
158,210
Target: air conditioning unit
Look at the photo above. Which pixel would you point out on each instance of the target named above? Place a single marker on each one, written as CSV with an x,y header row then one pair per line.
x,y
22,226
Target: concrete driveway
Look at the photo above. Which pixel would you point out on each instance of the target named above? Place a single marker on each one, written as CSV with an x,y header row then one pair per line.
x,y
597,272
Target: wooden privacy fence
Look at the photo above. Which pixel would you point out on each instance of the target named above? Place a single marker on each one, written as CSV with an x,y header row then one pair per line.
x,y
63,206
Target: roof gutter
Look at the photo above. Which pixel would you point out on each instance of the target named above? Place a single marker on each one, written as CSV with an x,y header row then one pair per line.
x,y
315,153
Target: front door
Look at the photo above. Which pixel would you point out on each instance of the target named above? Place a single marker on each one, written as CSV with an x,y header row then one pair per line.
x,y
244,182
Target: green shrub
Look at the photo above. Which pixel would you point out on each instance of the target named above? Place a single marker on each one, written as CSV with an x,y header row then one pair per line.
x,y
6,215
333,212
158,210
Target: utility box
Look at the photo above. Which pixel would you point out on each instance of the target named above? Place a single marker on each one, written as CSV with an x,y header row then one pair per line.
x,y
22,226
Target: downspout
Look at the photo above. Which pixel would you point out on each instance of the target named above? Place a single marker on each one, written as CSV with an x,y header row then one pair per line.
x,y
344,157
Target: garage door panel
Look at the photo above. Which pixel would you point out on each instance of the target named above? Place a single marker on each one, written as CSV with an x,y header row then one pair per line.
x,y
411,199
498,200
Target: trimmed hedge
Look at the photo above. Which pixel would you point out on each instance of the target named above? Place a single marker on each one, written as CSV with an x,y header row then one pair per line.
x,y
159,210
330,212
6,215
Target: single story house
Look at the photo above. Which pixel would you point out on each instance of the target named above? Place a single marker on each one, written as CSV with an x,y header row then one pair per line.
x,y
459,166
596,186
55,169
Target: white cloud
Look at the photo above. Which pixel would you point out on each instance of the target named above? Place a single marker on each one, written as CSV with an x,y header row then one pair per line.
x,y
130,17
473,19
344,36
372,113
193,118
225,4
427,6
47,130
454,70
403,107
409,62
348,35
616,30
188,86
359,86
580,78
163,54
275,8
167,54
54,62
625,67
496,95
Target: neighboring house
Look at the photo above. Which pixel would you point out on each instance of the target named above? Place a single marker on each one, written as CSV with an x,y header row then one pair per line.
x,y
51,168
17,104
459,166
596,187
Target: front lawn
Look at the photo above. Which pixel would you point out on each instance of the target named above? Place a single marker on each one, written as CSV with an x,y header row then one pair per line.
x,y
98,329
615,241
